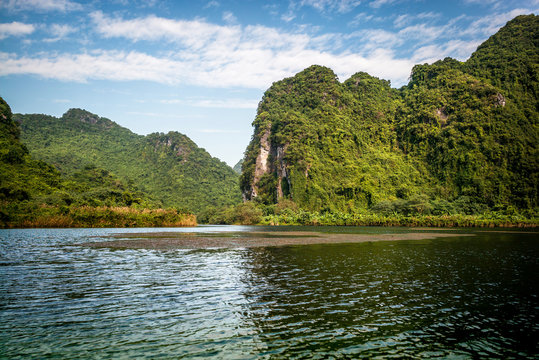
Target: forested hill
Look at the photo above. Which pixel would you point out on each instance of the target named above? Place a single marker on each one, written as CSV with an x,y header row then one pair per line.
x,y
460,137
169,168
34,194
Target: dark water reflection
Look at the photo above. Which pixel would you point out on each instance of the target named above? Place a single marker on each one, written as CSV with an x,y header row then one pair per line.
x,y
462,297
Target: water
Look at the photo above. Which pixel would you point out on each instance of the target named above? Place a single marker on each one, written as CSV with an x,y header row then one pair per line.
x,y
459,297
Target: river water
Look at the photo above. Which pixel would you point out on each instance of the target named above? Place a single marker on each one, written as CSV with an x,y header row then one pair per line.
x,y
454,297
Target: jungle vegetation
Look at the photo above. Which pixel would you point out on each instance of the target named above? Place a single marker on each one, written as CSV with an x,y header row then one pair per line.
x,y
460,139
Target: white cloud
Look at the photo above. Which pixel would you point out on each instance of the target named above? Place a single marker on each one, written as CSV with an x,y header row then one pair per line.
x,y
489,24
491,4
482,2
212,103
363,18
40,5
194,33
379,3
405,19
59,32
229,17
289,16
402,20
212,4
15,29
206,54
221,56
456,49
341,6
422,33
377,38
111,65
251,65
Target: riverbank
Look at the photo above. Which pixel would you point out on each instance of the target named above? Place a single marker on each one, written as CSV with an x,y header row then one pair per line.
x,y
95,217
288,213
444,221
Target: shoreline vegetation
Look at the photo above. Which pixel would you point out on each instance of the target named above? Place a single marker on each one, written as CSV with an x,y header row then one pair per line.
x,y
128,217
410,214
444,221
97,217
249,213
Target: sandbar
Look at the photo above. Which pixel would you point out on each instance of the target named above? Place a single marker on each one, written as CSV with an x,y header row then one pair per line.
x,y
170,240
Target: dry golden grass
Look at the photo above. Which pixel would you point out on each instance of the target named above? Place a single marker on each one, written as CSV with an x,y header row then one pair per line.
x,y
87,216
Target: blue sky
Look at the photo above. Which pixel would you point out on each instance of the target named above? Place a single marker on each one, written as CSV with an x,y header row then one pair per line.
x,y
201,67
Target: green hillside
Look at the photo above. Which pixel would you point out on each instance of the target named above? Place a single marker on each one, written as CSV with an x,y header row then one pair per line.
x,y
459,138
21,177
169,168
34,194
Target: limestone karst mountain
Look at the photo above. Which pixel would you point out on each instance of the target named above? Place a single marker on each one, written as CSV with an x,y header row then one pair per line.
x,y
459,131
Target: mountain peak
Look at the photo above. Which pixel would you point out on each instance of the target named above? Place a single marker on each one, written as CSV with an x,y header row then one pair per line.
x,y
87,117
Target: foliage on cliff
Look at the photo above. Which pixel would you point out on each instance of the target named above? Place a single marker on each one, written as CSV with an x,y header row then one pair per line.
x,y
457,133
169,168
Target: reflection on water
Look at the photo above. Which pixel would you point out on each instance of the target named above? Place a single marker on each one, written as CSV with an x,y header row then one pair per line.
x,y
453,297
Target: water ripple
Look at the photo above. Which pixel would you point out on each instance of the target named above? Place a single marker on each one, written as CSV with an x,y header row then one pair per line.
x,y
452,298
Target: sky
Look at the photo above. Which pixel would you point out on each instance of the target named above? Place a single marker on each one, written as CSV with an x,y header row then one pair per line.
x,y
201,67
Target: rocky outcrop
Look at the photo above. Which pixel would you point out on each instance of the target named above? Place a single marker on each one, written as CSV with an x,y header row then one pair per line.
x,y
89,118
261,165
282,171
178,143
500,100
269,161
442,116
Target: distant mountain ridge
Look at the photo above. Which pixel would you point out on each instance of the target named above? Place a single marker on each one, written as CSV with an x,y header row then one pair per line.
x,y
170,168
459,132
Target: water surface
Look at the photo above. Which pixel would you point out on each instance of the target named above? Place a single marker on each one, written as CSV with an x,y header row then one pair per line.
x,y
453,297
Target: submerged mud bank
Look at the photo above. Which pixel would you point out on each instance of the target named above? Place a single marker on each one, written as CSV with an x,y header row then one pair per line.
x,y
169,240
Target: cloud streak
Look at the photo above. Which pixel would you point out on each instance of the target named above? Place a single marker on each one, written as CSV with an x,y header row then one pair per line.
x,y
15,29
205,54
379,3
200,53
341,6
257,70
40,5
59,32
211,103
489,24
